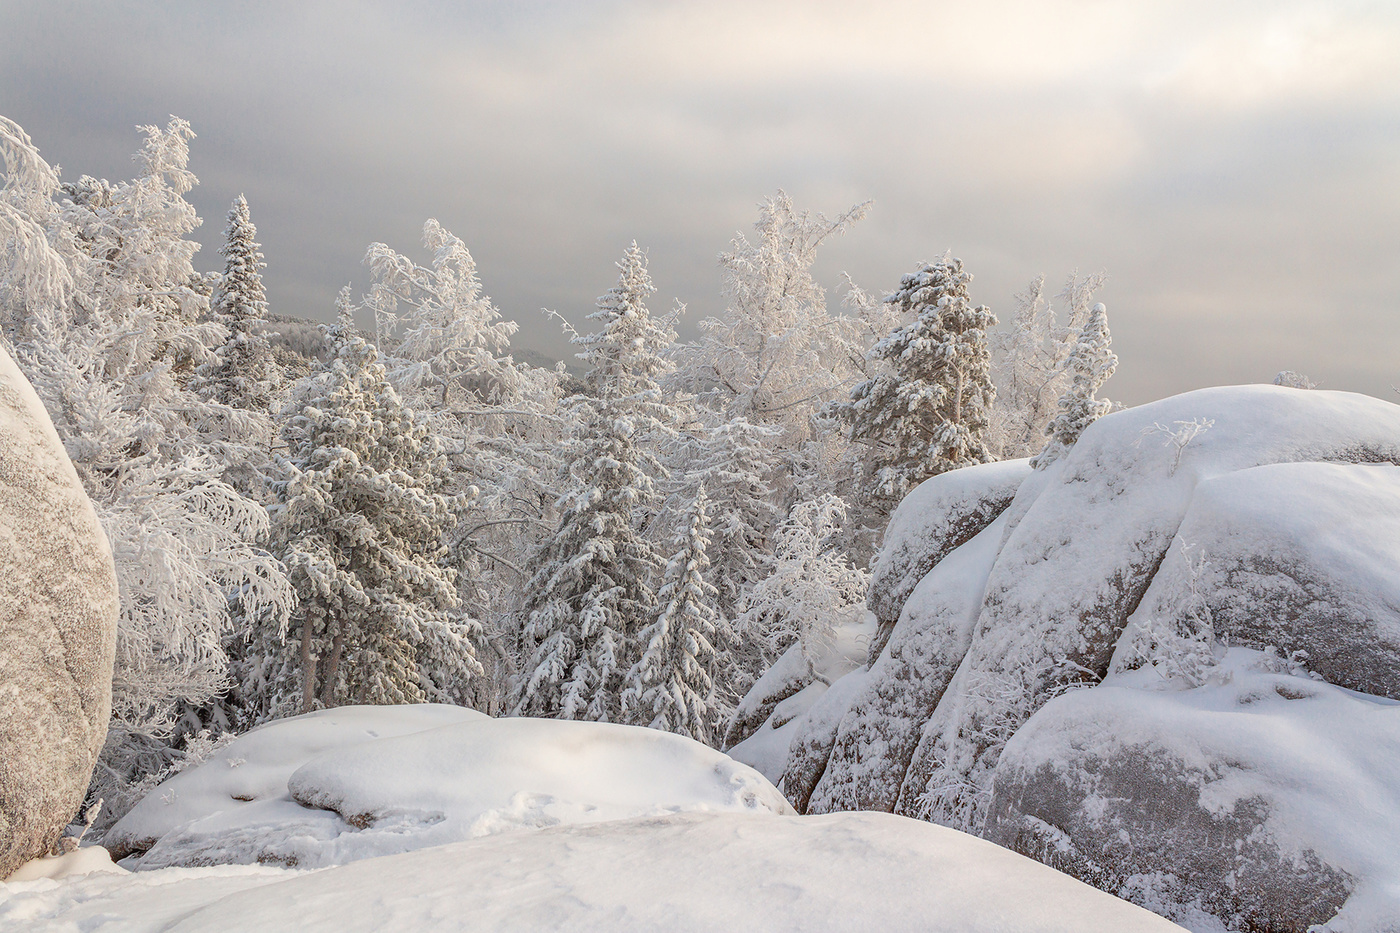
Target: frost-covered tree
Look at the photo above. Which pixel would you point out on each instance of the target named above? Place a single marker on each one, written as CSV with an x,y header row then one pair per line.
x,y
107,343
671,687
734,462
927,410
443,344
1091,362
1028,362
242,372
776,355
360,525
590,593
813,587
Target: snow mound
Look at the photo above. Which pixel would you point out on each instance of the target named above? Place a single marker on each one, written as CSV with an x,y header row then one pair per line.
x,y
82,861
683,873
1262,796
245,779
472,778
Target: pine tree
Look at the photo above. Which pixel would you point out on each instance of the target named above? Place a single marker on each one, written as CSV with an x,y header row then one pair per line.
x,y
1091,362
671,687
590,593
242,373
927,412
360,527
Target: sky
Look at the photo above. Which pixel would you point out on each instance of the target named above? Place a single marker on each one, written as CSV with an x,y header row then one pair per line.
x,y
1233,167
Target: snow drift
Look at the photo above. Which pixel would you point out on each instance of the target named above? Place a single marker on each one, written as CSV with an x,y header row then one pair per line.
x,y
687,873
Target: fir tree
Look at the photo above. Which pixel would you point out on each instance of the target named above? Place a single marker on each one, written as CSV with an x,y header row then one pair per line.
x,y
590,592
671,687
360,526
927,412
1091,362
242,372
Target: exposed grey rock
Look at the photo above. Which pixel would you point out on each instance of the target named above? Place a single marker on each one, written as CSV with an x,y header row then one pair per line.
x,y
940,515
1296,556
58,615
1245,797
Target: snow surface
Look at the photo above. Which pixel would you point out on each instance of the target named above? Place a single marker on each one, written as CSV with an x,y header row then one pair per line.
x,y
416,788
82,861
1321,758
687,872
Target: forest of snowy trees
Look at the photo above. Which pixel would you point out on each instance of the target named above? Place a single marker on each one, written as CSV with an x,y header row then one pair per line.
x,y
411,515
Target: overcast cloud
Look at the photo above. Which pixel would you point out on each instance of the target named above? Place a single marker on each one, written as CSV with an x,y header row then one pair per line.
x,y
1234,167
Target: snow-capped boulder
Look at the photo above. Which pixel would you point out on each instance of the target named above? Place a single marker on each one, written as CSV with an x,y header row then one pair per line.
x,y
1263,797
245,781
941,514
1089,533
58,618
1296,556
469,778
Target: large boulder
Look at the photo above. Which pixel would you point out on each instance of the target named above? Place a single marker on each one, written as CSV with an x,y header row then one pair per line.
x,y
1088,537
875,738
1262,797
58,618
1301,557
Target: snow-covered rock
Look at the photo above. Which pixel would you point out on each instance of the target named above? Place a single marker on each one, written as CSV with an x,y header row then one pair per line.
x,y
941,514
1084,539
1297,556
876,737
58,617
776,707
417,788
1264,797
687,873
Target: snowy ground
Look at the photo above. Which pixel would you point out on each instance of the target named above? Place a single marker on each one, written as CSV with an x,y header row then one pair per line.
x,y
528,825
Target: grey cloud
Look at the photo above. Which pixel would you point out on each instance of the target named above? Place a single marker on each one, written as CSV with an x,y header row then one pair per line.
x,y
1247,217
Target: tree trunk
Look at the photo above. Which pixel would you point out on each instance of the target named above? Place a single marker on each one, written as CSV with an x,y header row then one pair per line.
x,y
332,669
308,668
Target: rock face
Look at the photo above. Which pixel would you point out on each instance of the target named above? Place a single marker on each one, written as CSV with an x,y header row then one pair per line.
x,y
1262,797
939,516
58,616
1300,556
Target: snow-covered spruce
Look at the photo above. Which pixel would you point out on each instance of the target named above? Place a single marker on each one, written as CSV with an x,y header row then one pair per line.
x,y
591,591
671,687
242,372
360,523
1092,363
927,410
